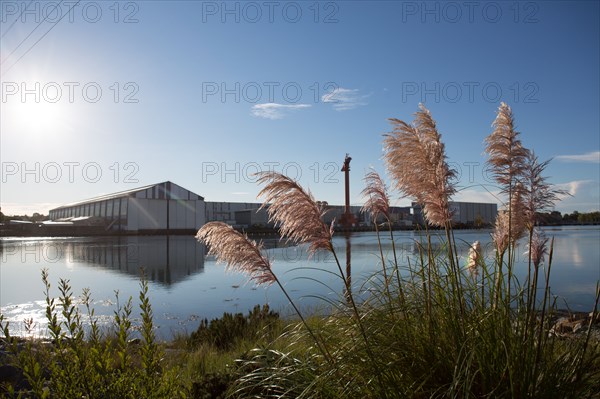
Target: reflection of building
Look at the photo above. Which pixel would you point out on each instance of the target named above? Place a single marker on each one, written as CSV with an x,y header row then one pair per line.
x,y
466,213
165,259
157,207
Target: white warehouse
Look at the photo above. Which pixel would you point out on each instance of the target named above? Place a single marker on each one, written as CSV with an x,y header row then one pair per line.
x,y
162,207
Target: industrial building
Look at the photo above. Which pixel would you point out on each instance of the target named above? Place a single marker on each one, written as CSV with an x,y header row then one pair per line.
x,y
253,218
169,208
154,208
468,214
226,211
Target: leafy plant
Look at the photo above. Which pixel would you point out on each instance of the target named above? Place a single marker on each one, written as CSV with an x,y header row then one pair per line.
x,y
227,330
90,362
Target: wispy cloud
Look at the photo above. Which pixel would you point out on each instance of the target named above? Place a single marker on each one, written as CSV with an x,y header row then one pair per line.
x,y
345,99
276,111
593,157
573,187
583,196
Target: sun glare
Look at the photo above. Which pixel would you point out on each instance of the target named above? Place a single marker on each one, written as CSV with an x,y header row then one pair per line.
x,y
33,118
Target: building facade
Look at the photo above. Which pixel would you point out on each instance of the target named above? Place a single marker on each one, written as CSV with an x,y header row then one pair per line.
x,y
226,211
157,207
470,214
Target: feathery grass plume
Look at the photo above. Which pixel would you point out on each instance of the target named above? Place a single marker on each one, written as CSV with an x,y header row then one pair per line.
x,y
378,203
510,223
299,218
245,255
375,192
507,155
237,251
500,234
295,211
517,209
539,194
415,158
538,247
474,258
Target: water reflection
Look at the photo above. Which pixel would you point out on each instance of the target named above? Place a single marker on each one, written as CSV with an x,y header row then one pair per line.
x,y
165,259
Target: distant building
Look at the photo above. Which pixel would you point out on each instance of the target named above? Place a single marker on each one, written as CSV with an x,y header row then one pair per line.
x,y
476,214
169,208
399,216
225,211
334,214
154,208
252,218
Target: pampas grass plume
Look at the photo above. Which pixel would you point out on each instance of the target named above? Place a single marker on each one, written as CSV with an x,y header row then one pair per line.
x,y
415,158
295,211
377,199
237,251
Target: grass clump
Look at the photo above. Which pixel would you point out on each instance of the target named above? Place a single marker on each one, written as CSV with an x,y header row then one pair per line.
x,y
429,326
227,331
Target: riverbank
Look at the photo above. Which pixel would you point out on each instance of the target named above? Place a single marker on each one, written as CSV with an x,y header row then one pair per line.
x,y
206,363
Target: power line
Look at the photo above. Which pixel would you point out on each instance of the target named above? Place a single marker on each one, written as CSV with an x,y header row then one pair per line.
x,y
44,35
15,21
27,37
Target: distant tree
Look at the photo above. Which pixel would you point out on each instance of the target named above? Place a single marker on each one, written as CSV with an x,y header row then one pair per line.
x,y
37,217
573,217
591,217
549,218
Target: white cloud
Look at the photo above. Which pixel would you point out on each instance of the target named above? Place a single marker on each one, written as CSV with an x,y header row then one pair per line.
x,y
593,157
583,198
573,187
344,99
274,110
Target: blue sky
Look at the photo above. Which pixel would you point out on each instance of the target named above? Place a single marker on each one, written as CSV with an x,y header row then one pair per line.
x,y
122,94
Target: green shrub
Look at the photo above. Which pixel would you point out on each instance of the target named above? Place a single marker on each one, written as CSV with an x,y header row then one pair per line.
x,y
226,331
92,363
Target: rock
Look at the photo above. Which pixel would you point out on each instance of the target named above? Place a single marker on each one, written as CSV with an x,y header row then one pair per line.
x,y
574,323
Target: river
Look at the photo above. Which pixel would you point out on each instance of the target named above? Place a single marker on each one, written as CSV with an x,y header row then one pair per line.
x,y
185,285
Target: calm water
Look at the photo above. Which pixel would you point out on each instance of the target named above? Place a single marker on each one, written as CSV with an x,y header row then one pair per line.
x,y
186,286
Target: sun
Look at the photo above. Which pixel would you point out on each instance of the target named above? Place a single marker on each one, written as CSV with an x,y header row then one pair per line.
x,y
33,118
